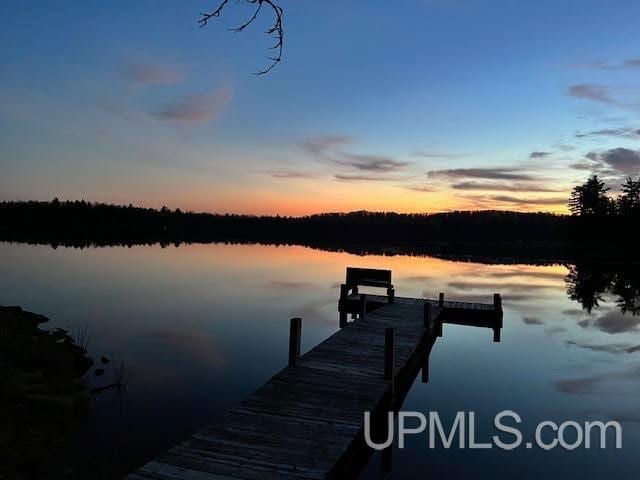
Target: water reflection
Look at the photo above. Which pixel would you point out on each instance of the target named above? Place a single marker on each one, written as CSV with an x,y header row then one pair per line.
x,y
587,283
202,326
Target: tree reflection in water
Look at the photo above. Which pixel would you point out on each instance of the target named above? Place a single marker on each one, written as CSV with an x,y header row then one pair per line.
x,y
587,283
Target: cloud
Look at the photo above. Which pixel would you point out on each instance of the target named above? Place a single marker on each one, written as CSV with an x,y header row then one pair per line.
x,y
200,108
322,145
631,133
564,147
330,149
623,160
597,383
532,274
614,348
555,330
419,188
574,312
363,178
612,322
529,201
486,173
539,154
578,385
628,63
286,174
496,286
428,154
144,74
505,187
286,284
596,93
532,321
371,163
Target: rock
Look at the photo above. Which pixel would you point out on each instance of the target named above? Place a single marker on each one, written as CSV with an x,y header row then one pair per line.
x,y
104,360
99,372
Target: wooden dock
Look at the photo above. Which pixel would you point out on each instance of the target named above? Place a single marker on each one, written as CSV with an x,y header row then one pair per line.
x,y
306,422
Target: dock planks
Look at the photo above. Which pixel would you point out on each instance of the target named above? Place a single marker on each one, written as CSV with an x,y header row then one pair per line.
x,y
306,421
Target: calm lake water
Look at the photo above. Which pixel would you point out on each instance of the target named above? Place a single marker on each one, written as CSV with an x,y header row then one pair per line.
x,y
199,327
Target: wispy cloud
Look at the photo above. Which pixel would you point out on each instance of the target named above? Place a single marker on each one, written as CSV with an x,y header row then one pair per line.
x,y
143,74
564,147
290,174
539,154
615,348
324,144
532,321
288,284
364,178
419,188
596,93
529,201
330,150
502,186
371,163
484,173
436,154
200,108
598,383
631,133
603,65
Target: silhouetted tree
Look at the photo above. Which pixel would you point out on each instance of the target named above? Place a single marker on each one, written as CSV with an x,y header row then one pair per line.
x,y
591,199
629,201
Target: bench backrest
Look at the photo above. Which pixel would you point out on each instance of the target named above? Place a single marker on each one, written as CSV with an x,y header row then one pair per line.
x,y
368,277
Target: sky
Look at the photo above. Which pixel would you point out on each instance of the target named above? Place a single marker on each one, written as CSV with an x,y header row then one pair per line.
x,y
407,106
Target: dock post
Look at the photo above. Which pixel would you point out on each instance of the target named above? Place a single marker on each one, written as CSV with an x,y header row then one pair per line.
x,y
497,306
497,302
343,319
341,305
390,356
427,314
496,334
438,326
391,293
425,368
441,300
295,331
363,306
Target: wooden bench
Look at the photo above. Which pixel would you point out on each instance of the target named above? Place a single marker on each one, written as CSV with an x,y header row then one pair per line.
x,y
367,277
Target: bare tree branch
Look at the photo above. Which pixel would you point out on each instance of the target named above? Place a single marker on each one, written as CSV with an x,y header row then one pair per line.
x,y
276,30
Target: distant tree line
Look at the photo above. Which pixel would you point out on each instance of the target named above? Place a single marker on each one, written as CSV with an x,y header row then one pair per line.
x,y
596,220
84,220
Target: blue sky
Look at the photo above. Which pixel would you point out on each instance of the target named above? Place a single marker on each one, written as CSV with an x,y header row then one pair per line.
x,y
424,105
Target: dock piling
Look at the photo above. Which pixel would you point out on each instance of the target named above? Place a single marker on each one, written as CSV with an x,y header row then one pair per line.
x,y
363,306
441,300
427,314
295,331
391,294
425,369
496,334
497,301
